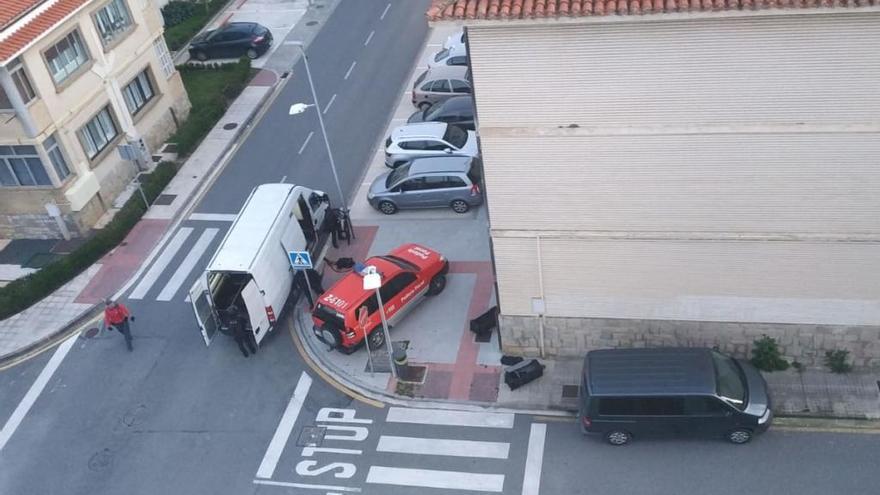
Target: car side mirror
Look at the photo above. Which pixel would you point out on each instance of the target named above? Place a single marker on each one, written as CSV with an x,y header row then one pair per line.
x,y
447,150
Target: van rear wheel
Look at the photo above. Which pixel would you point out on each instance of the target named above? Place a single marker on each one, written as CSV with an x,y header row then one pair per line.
x,y
377,339
739,436
618,437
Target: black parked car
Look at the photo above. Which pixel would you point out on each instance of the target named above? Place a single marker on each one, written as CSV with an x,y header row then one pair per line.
x,y
458,110
232,41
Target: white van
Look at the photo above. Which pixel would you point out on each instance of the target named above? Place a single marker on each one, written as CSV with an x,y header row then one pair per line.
x,y
251,268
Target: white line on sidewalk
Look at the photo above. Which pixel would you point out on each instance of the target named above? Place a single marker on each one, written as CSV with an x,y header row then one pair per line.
x,y
451,480
214,217
285,426
348,72
369,37
306,142
187,265
534,459
305,485
34,392
449,418
329,104
382,17
443,446
161,262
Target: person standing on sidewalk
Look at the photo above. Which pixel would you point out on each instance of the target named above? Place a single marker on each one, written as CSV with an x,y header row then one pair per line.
x,y
116,315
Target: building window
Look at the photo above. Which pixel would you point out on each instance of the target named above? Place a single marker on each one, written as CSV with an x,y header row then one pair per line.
x,y
66,56
112,20
98,133
21,166
53,149
164,57
22,84
138,92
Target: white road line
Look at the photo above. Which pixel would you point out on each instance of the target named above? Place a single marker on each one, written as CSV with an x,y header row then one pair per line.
x,y
187,265
451,480
382,17
161,263
285,426
348,72
214,217
449,418
370,36
443,446
283,179
329,104
306,142
534,460
305,485
34,392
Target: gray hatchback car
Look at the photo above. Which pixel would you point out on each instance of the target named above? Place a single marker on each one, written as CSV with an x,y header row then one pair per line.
x,y
429,182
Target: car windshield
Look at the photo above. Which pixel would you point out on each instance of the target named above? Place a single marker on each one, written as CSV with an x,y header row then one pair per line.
x,y
441,55
397,175
731,386
432,113
456,136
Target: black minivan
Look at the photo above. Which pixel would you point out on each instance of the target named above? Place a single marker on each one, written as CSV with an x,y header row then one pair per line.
x,y
627,393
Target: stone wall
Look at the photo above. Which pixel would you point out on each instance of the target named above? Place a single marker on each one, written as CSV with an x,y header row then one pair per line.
x,y
574,336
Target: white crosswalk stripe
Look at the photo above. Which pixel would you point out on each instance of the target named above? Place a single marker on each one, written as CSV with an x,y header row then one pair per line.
x,y
161,263
428,478
442,446
450,418
187,265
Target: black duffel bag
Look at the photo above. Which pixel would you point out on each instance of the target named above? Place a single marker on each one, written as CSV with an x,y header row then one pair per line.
x,y
524,372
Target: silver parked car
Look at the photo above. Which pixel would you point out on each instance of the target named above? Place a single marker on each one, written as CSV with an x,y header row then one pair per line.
x,y
440,83
457,55
430,182
428,139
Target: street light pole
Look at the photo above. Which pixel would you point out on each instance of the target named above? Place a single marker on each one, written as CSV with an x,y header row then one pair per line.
x,y
323,129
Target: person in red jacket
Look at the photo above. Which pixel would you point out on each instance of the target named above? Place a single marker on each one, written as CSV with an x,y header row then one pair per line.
x,y
116,315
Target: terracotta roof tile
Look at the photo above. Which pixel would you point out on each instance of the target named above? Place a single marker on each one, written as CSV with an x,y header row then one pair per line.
x,y
42,23
441,10
10,10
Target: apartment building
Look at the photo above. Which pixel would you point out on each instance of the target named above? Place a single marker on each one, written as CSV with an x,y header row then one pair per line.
x,y
78,78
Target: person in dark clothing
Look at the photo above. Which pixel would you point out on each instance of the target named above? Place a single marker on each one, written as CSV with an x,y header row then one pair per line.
x,y
237,324
116,315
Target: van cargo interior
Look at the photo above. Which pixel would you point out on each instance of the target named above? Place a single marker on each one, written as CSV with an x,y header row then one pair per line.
x,y
226,289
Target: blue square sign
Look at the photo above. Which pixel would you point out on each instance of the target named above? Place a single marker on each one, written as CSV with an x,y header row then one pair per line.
x,y
300,260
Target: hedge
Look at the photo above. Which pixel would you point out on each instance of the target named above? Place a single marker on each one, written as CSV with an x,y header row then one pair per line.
x,y
211,89
20,294
178,35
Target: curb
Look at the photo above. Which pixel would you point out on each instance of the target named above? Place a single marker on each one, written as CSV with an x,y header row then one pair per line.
x,y
348,383
54,338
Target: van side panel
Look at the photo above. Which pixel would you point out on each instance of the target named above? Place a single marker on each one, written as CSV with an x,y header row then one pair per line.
x,y
271,267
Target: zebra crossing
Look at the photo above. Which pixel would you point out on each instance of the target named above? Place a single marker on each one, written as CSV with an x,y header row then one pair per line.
x,y
181,258
398,449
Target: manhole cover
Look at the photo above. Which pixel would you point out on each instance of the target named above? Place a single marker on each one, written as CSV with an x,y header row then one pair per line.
x,y
91,333
230,126
570,391
133,417
311,23
164,199
311,436
100,460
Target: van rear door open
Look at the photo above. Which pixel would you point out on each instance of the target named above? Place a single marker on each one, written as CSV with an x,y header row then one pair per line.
x,y
203,306
256,308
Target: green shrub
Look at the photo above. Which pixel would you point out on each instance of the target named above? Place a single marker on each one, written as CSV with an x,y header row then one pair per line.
x,y
766,355
177,11
178,36
20,294
210,89
836,361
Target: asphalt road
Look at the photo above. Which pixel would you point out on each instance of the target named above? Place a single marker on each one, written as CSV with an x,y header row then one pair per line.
x,y
173,417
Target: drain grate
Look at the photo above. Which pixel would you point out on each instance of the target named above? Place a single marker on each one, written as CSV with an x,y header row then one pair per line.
x,y
91,333
311,23
311,436
230,126
570,391
164,199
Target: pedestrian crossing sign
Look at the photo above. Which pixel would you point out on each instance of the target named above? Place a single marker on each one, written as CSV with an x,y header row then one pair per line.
x,y
300,260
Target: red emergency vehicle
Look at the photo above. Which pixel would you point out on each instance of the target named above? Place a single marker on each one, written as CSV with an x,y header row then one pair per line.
x,y
409,273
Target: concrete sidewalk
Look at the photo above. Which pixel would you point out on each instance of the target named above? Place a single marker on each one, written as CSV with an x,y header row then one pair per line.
x,y
75,306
